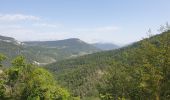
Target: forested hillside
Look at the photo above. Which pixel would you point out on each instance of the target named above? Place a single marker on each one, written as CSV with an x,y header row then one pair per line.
x,y
137,72
51,51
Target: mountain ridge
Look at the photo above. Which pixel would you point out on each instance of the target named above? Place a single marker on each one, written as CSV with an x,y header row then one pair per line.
x,y
44,52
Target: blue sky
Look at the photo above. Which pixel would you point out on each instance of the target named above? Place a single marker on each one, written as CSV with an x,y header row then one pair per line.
x,y
116,21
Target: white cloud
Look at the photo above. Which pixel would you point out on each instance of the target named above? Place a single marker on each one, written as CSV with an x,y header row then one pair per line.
x,y
105,29
47,25
29,34
91,35
98,34
9,26
17,26
17,17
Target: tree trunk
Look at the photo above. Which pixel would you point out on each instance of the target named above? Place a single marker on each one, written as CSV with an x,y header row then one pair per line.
x,y
157,96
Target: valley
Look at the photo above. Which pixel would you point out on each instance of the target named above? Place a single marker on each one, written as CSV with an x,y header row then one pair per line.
x,y
97,74
84,50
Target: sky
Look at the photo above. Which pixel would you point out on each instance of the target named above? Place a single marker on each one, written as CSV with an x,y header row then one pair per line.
x,y
107,21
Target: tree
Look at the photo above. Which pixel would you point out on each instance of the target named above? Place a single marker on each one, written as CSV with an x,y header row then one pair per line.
x,y
23,81
2,57
2,77
42,86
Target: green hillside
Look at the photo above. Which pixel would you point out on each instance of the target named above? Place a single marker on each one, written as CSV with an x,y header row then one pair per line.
x,y
135,72
45,52
51,51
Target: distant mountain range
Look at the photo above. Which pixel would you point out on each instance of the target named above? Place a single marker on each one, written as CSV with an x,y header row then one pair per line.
x,y
106,46
44,52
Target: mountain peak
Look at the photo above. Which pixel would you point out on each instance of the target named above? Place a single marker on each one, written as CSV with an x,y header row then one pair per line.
x,y
73,39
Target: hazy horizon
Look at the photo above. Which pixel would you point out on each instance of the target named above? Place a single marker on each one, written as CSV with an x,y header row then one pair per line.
x,y
104,21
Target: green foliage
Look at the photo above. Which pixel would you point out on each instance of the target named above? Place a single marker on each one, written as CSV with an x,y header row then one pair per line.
x,y
2,58
43,86
19,62
23,81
